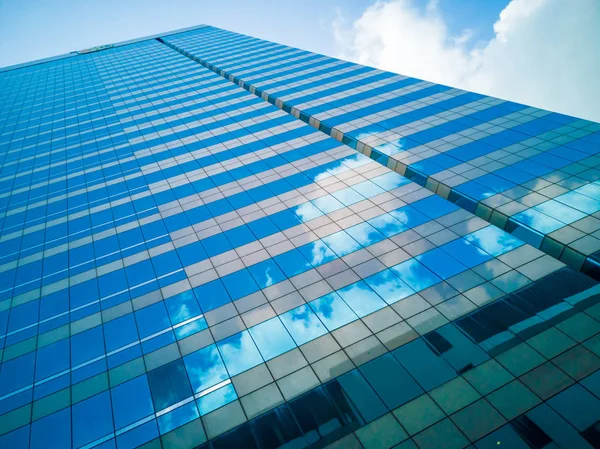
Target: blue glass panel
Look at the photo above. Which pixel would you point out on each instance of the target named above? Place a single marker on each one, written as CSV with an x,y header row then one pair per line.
x,y
571,402
169,384
328,204
211,295
332,311
580,202
468,254
427,367
239,353
456,348
92,419
410,216
292,263
266,273
317,253
17,373
368,189
271,338
131,401
391,382
303,324
239,284
87,346
17,438
138,436
341,243
365,234
348,196
182,307
361,299
560,211
120,332
52,432
216,399
390,181
387,225
239,236
538,221
389,286
441,263
415,275
178,417
307,211
152,319
362,395
52,359
434,206
493,241
205,368
216,244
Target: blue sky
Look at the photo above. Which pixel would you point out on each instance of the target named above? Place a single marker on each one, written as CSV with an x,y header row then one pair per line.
x,y
537,52
34,29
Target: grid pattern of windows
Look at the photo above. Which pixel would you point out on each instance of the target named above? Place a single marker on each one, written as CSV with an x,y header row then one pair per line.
x,y
528,171
183,264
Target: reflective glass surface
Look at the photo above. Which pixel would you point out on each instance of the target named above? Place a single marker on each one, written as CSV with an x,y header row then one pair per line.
x,y
209,240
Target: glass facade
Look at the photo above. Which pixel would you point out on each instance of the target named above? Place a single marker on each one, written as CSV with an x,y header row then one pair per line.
x,y
528,171
193,253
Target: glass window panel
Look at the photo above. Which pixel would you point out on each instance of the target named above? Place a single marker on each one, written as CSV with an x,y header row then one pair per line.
x,y
92,419
205,368
239,353
169,384
182,307
131,401
361,299
389,286
216,399
271,338
52,432
303,324
415,275
393,384
332,311
178,417
493,241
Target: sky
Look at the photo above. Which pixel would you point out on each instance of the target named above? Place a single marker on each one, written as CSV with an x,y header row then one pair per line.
x,y
538,52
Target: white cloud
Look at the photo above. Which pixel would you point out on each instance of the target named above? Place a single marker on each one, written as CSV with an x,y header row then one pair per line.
x,y
544,53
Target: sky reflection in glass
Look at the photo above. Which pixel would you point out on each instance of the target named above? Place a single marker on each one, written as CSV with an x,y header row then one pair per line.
x,y
303,324
239,353
341,243
178,417
365,234
387,225
328,204
332,311
538,221
361,298
441,263
493,241
468,254
389,286
559,211
205,368
580,202
317,253
216,399
271,338
415,275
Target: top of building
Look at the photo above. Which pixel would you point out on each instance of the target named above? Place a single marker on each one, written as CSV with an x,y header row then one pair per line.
x,y
97,48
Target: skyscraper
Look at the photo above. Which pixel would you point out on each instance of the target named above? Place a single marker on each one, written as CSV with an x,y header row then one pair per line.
x,y
212,240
